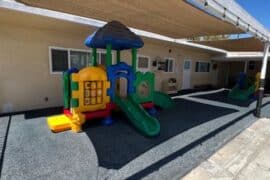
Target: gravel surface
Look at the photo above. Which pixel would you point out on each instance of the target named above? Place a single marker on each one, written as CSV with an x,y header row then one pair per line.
x,y
33,152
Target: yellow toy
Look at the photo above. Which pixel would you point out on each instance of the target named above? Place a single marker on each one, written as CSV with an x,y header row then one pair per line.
x,y
88,95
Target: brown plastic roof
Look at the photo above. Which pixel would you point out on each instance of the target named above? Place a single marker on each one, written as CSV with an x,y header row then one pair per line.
x,y
173,18
246,44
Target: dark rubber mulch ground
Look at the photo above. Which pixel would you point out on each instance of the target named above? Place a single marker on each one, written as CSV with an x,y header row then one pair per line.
x,y
120,143
223,97
189,91
43,112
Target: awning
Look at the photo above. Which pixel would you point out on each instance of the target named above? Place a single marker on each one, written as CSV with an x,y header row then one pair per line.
x,y
18,18
172,18
245,44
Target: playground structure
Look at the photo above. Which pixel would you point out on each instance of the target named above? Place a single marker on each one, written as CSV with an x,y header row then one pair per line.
x,y
93,91
245,88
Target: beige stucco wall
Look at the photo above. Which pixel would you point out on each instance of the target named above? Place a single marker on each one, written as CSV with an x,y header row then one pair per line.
x,y
154,48
24,66
223,70
232,69
24,61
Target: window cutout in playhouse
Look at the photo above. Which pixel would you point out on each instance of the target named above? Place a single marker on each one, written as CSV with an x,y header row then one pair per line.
x,y
93,93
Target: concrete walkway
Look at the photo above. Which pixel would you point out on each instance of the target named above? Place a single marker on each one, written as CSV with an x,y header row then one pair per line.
x,y
246,157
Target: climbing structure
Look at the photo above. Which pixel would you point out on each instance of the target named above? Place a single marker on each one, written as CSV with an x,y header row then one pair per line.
x,y
245,88
92,92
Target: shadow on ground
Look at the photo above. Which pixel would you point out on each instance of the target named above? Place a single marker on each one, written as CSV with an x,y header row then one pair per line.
x,y
120,143
43,112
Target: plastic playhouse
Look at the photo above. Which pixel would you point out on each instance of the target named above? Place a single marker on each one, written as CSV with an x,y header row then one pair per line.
x,y
245,88
93,91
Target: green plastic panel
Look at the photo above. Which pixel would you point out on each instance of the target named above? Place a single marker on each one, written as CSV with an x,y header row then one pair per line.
x,y
66,89
74,86
94,56
245,93
145,123
163,100
108,55
240,94
74,102
144,85
134,58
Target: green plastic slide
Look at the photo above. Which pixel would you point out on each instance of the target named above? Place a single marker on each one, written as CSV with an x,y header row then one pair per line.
x,y
242,95
162,100
244,89
145,123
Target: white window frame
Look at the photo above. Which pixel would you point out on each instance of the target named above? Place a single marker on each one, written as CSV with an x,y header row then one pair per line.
x,y
69,62
50,59
148,66
190,65
202,61
78,50
99,51
172,59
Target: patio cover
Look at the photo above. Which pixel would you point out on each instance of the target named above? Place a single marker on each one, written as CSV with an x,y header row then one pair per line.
x,y
172,18
245,44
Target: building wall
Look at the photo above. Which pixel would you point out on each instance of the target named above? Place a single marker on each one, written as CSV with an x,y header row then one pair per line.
x,y
24,66
229,71
25,78
154,49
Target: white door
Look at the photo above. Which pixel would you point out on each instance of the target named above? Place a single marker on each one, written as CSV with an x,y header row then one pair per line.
x,y
186,74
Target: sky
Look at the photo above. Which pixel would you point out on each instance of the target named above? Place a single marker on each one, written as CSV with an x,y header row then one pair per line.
x,y
260,9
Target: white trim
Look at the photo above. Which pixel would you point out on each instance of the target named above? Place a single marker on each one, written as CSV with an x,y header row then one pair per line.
x,y
172,59
80,50
195,45
190,60
199,93
103,51
244,54
149,63
69,61
240,56
265,60
50,59
99,52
